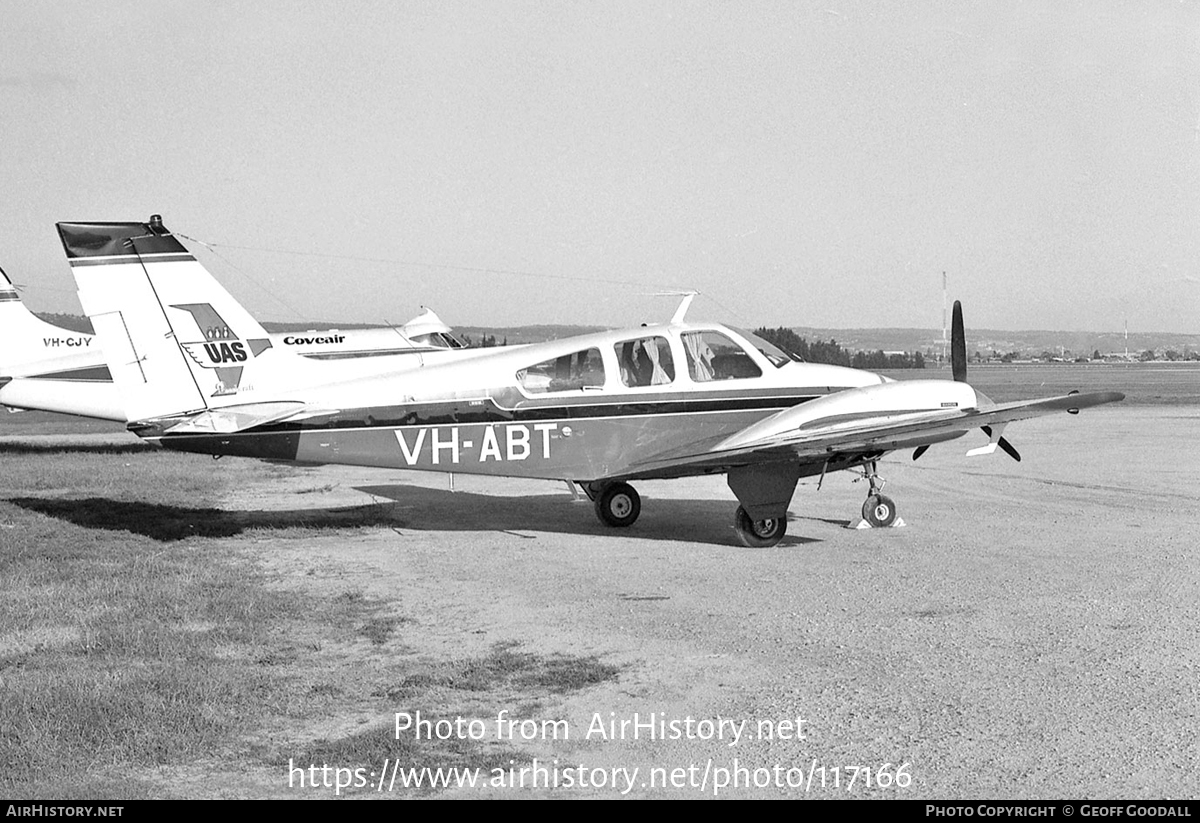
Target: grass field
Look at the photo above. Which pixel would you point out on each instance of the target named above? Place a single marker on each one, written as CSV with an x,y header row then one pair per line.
x,y
141,642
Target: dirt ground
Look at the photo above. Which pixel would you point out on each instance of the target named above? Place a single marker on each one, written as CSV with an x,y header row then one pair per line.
x,y
1030,632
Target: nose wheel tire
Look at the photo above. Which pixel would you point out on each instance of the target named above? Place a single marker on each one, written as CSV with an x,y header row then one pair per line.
x,y
618,505
879,510
759,534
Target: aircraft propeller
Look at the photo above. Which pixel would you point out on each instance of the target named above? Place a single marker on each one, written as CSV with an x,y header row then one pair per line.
x,y
958,364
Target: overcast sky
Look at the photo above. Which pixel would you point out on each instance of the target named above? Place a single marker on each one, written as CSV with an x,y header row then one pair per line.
x,y
797,163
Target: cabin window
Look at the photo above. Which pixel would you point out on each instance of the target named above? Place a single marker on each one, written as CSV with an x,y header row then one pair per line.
x,y
570,372
713,356
645,362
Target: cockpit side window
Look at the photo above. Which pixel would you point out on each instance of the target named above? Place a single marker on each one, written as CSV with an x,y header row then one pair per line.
x,y
646,361
713,356
570,372
437,340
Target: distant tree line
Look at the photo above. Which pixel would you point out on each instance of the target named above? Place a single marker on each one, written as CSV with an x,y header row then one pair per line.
x,y
1168,354
73,322
832,353
486,342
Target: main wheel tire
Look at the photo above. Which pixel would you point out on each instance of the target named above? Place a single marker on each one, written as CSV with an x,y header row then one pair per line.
x,y
759,534
879,510
618,505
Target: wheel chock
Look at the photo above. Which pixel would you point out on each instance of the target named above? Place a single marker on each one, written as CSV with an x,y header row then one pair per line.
x,y
863,524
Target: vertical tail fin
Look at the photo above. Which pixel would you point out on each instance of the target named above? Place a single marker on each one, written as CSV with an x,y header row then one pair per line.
x,y
176,342
31,346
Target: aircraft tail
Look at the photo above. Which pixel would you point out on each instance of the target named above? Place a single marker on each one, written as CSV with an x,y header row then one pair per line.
x,y
29,346
174,339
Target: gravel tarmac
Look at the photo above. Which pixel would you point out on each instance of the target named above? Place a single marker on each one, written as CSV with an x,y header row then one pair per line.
x,y
1031,632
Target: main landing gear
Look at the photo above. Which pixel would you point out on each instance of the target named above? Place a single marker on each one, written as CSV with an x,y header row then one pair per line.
x,y
617,504
758,534
878,511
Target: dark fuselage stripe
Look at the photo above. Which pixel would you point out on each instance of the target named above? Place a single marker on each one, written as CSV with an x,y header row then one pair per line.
x,y
452,414
348,355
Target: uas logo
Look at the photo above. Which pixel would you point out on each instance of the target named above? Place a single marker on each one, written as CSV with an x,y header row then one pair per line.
x,y
221,349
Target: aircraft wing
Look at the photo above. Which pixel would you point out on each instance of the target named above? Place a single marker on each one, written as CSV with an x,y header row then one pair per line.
x,y
816,443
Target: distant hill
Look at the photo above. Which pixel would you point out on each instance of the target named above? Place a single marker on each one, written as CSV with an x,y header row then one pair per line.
x,y
889,340
985,341
515,335
991,340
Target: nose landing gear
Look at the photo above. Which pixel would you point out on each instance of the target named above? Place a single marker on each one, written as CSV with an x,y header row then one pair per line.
x,y
878,510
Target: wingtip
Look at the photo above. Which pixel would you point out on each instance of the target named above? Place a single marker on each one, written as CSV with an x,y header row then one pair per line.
x,y
1084,401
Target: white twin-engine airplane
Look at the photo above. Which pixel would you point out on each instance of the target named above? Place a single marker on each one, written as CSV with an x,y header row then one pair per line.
x,y
44,367
599,410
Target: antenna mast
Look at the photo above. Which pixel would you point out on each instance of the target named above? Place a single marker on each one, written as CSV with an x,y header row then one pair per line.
x,y
943,317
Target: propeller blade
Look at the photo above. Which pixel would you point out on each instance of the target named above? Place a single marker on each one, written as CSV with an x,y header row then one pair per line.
x,y
958,345
920,451
1009,449
1005,446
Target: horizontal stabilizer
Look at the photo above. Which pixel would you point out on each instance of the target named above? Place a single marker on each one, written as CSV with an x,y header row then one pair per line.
x,y
230,419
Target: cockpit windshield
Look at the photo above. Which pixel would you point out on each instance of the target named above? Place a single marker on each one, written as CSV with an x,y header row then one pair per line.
x,y
776,355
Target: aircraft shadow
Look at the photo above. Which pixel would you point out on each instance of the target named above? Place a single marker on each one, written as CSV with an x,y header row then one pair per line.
x,y
833,521
692,521
171,523
406,508
136,447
